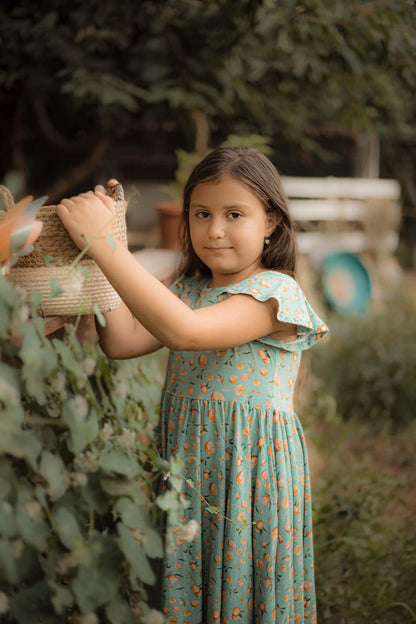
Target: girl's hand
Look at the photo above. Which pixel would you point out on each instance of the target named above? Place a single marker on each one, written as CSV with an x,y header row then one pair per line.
x,y
88,217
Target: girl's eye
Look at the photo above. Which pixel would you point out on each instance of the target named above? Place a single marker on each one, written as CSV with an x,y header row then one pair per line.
x,y
202,214
234,215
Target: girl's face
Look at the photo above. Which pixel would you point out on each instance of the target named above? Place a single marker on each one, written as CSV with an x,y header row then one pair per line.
x,y
228,225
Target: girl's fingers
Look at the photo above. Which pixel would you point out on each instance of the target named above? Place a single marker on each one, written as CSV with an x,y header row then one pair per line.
x,y
106,200
99,188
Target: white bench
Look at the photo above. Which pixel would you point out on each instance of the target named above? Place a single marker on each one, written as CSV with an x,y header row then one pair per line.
x,y
344,214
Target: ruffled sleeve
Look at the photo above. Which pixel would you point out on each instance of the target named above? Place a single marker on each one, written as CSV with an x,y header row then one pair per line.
x,y
293,307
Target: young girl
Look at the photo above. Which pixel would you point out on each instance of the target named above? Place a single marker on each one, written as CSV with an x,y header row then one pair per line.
x,y
236,323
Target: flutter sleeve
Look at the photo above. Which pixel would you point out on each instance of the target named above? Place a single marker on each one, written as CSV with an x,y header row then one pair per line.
x,y
293,307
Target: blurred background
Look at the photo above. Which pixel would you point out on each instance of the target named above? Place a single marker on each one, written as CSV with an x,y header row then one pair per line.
x,y
141,90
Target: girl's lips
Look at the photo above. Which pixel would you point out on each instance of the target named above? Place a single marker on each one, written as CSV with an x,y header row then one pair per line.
x,y
218,248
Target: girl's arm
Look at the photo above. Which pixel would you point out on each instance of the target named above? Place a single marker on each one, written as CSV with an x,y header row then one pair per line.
x,y
235,321
123,336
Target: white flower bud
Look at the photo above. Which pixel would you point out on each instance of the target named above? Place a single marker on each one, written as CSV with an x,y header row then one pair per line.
x,y
89,366
58,383
80,405
74,285
120,390
106,432
128,438
153,617
4,603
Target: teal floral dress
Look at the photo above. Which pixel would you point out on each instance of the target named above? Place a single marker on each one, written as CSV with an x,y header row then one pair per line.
x,y
229,414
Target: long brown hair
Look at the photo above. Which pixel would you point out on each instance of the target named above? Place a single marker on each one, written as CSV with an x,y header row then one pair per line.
x,y
259,175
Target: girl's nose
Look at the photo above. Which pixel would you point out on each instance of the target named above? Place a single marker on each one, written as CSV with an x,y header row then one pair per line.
x,y
216,228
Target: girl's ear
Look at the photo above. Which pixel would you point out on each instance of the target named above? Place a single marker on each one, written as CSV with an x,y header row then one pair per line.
x,y
272,221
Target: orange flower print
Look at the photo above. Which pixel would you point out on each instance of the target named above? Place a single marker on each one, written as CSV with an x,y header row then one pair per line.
x,y
259,525
307,585
202,360
236,613
210,447
240,478
233,379
217,396
276,379
229,556
240,390
246,431
262,606
172,578
210,377
241,517
240,366
216,616
196,590
212,416
213,489
204,387
194,602
263,356
263,371
274,533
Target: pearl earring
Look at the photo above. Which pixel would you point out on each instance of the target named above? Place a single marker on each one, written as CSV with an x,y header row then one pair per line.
x,y
267,241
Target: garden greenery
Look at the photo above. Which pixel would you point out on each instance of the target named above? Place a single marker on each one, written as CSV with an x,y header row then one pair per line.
x,y
369,367
80,516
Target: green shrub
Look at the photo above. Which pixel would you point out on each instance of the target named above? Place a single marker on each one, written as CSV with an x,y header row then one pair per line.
x,y
365,548
79,515
369,365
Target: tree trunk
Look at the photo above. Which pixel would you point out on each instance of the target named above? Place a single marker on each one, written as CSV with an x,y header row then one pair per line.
x,y
73,177
366,157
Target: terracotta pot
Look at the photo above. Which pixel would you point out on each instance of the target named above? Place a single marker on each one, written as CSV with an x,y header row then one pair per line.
x,y
170,215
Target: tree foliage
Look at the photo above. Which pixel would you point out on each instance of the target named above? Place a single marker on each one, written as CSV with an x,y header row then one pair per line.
x,y
81,76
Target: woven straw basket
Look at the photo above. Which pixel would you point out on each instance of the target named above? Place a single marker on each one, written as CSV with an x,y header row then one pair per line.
x,y
31,269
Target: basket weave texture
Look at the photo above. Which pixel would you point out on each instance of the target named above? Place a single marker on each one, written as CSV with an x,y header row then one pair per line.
x,y
32,270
